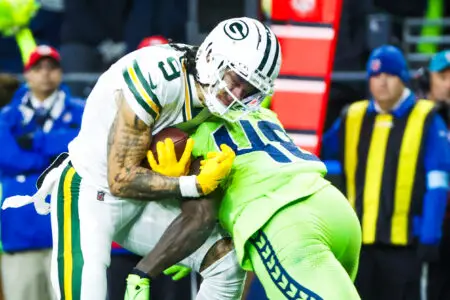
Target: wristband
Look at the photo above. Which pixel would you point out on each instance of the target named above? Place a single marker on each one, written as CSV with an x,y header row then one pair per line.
x,y
188,186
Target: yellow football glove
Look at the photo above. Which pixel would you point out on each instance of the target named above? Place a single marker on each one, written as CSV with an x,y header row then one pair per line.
x,y
214,168
177,272
168,164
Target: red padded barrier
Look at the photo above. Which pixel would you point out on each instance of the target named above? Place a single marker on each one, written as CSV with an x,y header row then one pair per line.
x,y
307,30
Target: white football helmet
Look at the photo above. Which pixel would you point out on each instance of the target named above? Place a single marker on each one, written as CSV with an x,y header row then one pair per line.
x,y
246,47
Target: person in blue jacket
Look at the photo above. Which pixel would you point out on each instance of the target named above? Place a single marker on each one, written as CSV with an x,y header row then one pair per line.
x,y
35,127
395,158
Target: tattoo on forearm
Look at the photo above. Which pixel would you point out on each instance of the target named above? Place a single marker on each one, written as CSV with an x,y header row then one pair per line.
x,y
143,184
128,142
136,122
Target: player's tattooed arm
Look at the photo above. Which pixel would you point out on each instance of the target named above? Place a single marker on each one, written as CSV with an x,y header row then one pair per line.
x,y
128,142
183,236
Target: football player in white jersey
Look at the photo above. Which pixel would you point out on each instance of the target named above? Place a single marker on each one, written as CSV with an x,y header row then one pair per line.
x,y
102,193
227,79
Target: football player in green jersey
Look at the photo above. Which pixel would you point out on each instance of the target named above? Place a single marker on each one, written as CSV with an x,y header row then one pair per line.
x,y
290,226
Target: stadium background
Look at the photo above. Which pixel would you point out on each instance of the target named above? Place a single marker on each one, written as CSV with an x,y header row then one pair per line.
x,y
324,43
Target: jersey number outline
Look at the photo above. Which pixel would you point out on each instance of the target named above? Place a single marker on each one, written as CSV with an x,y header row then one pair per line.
x,y
173,72
271,132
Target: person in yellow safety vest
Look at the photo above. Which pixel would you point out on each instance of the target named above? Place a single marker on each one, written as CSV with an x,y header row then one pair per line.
x,y
395,158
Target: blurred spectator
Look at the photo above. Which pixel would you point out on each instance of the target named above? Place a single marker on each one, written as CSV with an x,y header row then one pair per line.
x,y
434,81
8,86
439,83
439,69
34,128
395,156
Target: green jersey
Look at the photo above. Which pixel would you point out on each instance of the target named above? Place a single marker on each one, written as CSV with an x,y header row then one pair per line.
x,y
269,171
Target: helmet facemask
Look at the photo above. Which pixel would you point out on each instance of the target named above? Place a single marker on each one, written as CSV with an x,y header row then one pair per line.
x,y
228,77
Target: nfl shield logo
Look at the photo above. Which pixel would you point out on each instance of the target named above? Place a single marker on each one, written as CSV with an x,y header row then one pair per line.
x,y
375,65
100,195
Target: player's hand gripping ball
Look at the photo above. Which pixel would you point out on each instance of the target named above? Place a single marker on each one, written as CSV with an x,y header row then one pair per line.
x,y
170,152
214,168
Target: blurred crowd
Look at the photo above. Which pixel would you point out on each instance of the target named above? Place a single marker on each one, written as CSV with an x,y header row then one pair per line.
x,y
91,35
41,114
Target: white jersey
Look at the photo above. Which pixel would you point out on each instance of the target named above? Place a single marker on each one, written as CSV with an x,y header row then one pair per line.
x,y
157,88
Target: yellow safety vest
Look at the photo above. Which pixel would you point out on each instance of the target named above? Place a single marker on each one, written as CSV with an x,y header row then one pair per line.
x,y
384,173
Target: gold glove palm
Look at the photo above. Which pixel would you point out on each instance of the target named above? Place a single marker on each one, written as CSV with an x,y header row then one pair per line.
x,y
167,163
214,168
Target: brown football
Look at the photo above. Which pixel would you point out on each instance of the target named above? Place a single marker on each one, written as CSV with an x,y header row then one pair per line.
x,y
178,136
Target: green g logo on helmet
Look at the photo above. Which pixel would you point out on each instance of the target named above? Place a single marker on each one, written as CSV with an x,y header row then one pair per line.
x,y
236,30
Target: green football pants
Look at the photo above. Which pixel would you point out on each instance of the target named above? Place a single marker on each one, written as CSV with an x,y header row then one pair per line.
x,y
309,249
